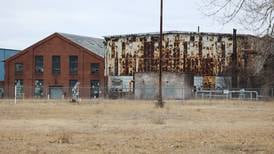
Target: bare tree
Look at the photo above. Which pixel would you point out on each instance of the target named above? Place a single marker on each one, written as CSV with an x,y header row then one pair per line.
x,y
256,15
264,48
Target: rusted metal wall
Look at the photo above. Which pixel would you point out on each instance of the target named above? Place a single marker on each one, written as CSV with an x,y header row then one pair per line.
x,y
202,54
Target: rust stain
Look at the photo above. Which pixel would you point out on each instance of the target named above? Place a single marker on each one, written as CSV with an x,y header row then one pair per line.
x,y
200,54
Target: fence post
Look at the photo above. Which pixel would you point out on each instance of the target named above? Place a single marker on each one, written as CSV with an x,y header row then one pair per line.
x,y
183,94
15,93
251,97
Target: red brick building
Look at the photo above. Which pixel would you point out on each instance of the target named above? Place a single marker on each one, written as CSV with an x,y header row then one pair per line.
x,y
52,66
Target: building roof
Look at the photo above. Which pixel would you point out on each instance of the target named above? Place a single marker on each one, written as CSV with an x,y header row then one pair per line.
x,y
5,49
6,53
174,32
95,45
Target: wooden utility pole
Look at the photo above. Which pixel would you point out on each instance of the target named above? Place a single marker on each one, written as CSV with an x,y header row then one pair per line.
x,y
160,102
234,61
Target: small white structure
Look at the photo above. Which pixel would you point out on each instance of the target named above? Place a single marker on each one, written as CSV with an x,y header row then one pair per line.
x,y
76,93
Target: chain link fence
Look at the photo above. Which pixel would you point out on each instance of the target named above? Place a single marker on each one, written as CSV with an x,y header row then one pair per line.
x,y
135,93
239,93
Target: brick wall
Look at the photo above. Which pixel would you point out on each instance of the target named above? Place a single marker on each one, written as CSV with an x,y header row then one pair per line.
x,y
54,45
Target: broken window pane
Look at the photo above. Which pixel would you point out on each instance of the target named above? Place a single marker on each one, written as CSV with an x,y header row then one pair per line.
x,y
19,68
38,90
94,68
94,88
39,64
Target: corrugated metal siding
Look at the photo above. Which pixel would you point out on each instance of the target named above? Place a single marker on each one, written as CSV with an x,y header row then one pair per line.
x,y
200,54
4,54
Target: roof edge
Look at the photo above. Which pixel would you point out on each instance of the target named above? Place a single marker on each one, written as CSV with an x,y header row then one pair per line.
x,y
10,49
174,32
60,33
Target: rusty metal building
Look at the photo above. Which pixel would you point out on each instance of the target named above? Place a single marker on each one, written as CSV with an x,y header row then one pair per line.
x,y
212,58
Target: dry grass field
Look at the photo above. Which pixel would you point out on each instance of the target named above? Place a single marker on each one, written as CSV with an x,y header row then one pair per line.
x,y
137,127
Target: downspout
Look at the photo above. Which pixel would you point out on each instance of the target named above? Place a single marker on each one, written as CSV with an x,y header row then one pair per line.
x,y
32,74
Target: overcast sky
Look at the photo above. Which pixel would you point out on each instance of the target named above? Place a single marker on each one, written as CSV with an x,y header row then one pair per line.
x,y
24,22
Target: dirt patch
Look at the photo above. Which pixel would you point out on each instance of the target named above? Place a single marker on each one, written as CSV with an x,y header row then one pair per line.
x,y
137,127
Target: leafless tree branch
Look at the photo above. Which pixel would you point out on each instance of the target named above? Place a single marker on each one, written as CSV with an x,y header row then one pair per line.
x,y
258,15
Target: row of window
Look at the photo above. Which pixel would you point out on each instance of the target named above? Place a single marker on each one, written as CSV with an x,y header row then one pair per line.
x,y
39,87
56,65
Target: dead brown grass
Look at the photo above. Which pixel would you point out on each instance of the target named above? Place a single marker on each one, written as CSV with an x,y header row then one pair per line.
x,y
122,126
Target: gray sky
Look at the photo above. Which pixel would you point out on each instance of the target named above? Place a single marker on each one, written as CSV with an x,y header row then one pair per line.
x,y
24,22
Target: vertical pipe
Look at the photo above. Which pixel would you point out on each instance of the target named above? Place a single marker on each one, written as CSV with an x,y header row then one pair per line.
x,y
160,100
234,61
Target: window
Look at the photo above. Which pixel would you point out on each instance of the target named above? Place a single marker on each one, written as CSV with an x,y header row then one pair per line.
x,y
19,84
56,65
94,68
94,88
73,64
38,89
39,64
19,68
